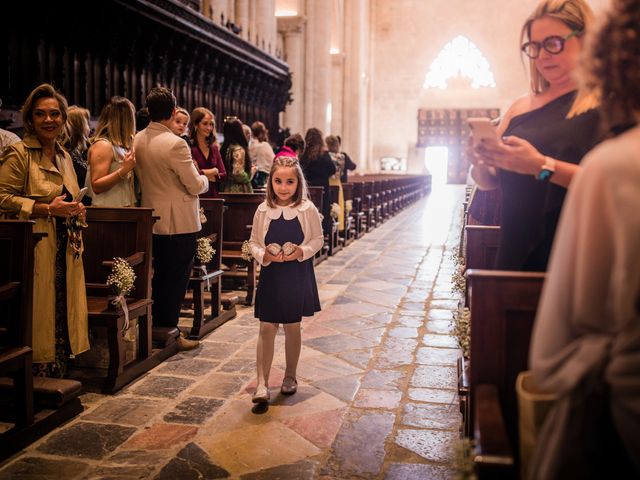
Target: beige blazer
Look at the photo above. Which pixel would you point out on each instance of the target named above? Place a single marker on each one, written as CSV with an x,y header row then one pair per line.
x,y
169,180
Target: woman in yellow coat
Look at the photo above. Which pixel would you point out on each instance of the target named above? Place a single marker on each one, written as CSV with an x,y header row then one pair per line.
x,y
38,182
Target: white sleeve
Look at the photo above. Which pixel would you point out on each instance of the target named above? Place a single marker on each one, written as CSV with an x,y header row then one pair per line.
x,y
316,238
256,241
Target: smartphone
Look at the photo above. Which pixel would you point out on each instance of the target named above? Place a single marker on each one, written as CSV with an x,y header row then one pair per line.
x,y
81,194
483,129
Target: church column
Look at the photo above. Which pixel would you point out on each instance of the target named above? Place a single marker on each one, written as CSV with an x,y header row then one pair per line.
x,y
266,25
318,66
292,29
242,17
356,125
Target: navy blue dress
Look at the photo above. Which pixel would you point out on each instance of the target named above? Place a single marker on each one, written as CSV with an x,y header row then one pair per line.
x,y
287,291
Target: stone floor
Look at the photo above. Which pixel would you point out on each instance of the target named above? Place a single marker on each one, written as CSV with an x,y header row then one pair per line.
x,y
377,381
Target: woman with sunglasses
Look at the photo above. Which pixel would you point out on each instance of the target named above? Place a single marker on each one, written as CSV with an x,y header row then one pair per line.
x,y
544,136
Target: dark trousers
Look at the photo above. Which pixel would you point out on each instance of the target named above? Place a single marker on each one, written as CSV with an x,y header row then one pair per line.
x,y
172,263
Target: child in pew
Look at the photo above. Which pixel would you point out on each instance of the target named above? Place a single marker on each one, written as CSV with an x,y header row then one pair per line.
x,y
585,345
286,234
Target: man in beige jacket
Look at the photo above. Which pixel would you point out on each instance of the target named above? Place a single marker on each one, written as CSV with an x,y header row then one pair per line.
x,y
170,185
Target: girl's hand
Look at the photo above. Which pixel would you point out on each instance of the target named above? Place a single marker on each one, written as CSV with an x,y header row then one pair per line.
x,y
297,253
268,257
513,154
59,208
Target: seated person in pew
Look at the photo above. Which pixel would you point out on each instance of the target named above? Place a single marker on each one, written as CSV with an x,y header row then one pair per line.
x,y
289,222
318,168
348,163
586,338
236,158
38,182
170,185
112,158
542,137
293,146
333,145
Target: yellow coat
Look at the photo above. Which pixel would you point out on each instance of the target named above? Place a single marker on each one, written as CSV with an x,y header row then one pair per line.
x,y
26,176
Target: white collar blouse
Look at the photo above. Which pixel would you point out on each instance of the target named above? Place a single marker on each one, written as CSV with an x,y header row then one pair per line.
x,y
306,213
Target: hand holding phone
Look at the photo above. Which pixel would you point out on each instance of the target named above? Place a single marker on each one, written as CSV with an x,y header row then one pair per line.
x,y
81,194
483,129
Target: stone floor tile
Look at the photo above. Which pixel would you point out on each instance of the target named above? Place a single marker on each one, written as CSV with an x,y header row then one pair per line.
x,y
388,399
403,332
191,463
321,367
437,356
359,359
161,436
434,395
161,386
440,326
359,446
304,470
383,379
118,472
350,324
29,468
213,350
315,331
319,428
439,340
138,457
125,411
86,440
435,377
433,445
193,410
418,471
344,388
338,343
188,367
220,385
410,321
242,366
433,416
232,415
257,447
450,305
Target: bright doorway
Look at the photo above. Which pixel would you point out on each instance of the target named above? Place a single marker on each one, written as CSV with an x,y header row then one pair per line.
x,y
435,159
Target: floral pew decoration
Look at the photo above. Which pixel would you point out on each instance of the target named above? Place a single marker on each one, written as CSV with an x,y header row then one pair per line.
x,y
204,254
121,280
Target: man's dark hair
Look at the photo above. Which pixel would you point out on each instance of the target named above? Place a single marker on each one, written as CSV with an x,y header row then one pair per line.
x,y
160,103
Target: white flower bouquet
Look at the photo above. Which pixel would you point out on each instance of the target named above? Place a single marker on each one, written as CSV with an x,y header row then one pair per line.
x,y
121,279
246,251
348,206
204,250
335,211
462,329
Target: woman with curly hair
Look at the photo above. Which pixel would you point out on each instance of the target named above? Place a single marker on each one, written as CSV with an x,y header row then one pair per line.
x,y
318,168
586,339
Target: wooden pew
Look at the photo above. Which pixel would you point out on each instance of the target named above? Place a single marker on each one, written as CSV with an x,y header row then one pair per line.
x,y
315,195
481,246
356,215
237,221
31,410
366,205
503,308
125,233
205,284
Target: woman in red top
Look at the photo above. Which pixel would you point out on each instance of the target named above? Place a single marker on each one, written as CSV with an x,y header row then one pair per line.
x,y
205,151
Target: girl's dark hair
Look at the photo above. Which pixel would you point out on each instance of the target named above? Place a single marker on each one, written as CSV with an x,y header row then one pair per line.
x,y
233,134
612,68
295,142
313,144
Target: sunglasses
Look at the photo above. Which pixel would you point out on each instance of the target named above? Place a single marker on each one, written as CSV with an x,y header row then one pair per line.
x,y
553,44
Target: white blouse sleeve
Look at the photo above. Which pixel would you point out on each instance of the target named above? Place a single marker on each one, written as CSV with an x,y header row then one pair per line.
x,y
256,241
313,233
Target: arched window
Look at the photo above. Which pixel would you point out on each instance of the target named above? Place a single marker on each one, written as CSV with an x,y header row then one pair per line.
x,y
459,58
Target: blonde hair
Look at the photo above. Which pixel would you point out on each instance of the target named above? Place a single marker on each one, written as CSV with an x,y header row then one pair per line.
x,y
117,122
578,16
73,135
301,192
332,143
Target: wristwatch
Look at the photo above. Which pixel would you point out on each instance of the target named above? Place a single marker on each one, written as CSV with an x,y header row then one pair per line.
x,y
547,169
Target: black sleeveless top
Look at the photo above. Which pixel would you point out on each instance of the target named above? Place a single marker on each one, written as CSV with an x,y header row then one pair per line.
x,y
531,208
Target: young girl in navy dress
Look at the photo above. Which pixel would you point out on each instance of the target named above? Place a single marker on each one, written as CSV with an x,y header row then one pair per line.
x,y
286,234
